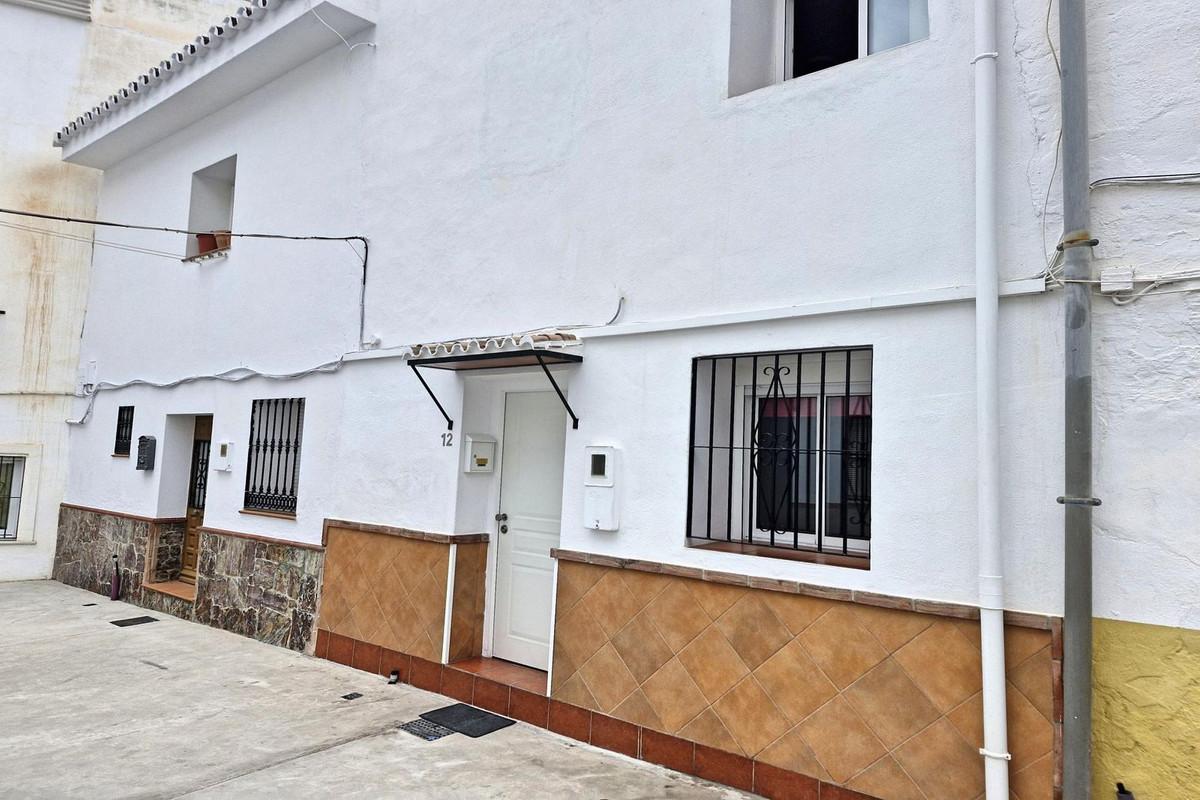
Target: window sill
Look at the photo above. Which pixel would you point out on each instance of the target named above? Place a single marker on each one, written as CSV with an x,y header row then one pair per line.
x,y
274,514
207,255
810,557
120,455
15,542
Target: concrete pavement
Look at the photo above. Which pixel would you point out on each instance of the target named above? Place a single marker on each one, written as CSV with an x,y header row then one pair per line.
x,y
176,709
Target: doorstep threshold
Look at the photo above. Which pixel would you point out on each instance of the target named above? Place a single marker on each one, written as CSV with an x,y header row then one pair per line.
x,y
180,589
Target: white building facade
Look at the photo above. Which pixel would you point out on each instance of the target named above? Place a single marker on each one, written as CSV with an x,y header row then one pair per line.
x,y
753,292
54,57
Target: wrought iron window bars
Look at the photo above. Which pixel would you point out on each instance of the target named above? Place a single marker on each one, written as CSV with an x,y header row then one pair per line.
x,y
121,446
273,463
780,450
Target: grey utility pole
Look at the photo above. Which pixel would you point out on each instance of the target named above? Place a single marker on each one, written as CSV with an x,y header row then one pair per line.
x,y
1078,500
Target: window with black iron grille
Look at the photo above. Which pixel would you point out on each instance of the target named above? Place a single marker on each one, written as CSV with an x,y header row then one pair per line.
x,y
781,451
124,430
12,477
198,485
273,464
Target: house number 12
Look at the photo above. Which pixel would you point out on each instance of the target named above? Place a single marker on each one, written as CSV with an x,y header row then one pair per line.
x,y
447,439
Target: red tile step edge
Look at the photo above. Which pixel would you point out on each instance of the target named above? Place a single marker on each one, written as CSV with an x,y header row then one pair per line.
x,y
582,724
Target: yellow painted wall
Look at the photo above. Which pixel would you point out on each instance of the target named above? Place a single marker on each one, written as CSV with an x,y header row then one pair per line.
x,y
1146,714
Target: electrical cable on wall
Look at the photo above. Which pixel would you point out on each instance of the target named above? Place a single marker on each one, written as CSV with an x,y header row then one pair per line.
x,y
232,375
364,257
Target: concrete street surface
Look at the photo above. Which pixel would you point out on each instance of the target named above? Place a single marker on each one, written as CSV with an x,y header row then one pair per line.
x,y
176,709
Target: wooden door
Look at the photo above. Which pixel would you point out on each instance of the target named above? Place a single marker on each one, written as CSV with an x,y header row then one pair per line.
x,y
197,490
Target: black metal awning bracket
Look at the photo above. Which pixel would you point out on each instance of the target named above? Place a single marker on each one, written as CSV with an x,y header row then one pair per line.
x,y
554,383
433,397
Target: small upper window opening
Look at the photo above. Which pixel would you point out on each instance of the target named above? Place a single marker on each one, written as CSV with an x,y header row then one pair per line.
x,y
771,41
210,215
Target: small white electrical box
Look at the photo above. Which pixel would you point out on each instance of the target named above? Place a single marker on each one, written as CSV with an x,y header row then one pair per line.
x,y
221,456
1116,279
600,511
480,453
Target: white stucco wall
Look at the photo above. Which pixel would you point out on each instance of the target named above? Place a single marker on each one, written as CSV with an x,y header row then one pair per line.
x,y
531,171
50,66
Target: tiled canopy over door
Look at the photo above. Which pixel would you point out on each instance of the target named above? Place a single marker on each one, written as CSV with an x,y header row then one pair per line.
x,y
884,701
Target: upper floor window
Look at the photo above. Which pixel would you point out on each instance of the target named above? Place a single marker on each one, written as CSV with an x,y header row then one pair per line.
x,y
79,9
124,431
273,464
780,454
210,215
12,478
774,40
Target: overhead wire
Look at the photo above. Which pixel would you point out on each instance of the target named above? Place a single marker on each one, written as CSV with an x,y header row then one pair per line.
x,y
85,240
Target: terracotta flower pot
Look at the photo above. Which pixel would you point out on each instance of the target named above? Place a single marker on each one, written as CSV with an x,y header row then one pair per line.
x,y
205,243
223,239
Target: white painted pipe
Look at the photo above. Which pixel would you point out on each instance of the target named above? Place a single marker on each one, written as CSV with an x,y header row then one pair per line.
x,y
995,753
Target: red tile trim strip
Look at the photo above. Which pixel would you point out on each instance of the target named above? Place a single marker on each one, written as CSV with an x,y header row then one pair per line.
x,y
935,607
599,730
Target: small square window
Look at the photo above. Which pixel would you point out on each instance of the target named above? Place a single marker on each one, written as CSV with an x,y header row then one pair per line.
x,y
210,215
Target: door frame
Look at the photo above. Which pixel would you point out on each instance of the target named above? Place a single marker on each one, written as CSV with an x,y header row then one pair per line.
x,y
484,400
490,604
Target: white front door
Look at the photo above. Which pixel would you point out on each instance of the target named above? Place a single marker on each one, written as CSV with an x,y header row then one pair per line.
x,y
530,516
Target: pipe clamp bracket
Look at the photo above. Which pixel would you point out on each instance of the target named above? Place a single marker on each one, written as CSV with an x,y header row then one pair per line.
x,y
983,751
1078,501
982,56
1065,245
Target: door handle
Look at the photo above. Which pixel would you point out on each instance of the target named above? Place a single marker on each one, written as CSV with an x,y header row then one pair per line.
x,y
502,517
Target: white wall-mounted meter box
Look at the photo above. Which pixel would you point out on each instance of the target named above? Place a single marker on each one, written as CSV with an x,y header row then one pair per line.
x,y
480,453
600,511
221,456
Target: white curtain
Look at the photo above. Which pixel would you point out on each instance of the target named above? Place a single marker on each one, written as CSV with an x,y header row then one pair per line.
x,y
891,23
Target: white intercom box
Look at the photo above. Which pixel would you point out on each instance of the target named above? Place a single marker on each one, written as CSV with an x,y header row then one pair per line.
x,y
221,456
480,453
600,511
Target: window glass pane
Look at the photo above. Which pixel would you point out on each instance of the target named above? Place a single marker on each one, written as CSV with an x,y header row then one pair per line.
x,y
786,444
892,23
12,476
825,34
848,470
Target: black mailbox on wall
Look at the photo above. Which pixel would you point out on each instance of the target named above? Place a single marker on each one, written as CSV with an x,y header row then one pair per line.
x,y
145,457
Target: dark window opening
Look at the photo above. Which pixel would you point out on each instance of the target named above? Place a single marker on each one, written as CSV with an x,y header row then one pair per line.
x,y
824,34
12,478
124,431
273,463
781,451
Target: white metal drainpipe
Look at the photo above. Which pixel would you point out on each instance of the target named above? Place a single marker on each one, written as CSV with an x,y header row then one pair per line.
x,y
987,334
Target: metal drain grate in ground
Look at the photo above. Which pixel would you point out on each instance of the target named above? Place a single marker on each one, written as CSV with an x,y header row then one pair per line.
x,y
424,729
125,623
